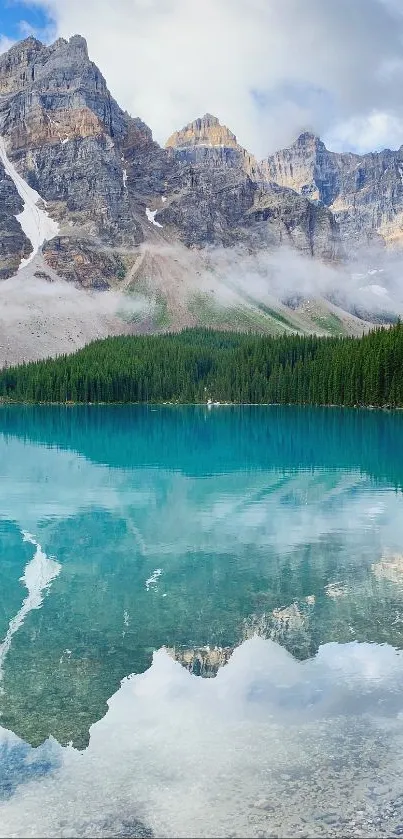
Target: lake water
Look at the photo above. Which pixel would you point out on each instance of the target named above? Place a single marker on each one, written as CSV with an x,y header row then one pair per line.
x,y
266,540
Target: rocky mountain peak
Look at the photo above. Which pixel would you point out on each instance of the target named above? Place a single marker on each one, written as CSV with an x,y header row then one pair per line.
x,y
207,142
295,166
61,95
21,47
15,65
205,131
308,141
76,47
26,63
79,43
363,192
208,120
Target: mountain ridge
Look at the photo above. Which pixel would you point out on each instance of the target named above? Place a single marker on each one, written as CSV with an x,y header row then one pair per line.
x,y
364,192
54,95
134,217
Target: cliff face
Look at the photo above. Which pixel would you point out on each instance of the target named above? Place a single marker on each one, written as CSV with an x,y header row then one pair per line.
x,y
62,131
298,222
14,245
110,187
229,200
206,142
205,131
363,192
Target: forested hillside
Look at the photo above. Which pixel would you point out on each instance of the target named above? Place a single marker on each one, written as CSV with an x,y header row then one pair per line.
x,y
196,365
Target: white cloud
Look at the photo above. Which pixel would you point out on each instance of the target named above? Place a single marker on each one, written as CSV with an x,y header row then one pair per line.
x,y
376,130
169,61
46,33
5,43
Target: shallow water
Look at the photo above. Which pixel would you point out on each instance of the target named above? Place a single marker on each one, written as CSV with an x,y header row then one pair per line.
x,y
127,529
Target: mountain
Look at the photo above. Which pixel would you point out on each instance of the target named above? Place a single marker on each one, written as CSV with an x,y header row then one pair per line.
x,y
98,169
87,197
363,192
229,182
206,141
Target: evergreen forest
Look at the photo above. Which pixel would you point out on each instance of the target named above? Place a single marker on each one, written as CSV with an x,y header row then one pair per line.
x,y
197,365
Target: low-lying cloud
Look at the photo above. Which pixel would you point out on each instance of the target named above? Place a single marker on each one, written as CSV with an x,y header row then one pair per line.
x,y
40,318
369,284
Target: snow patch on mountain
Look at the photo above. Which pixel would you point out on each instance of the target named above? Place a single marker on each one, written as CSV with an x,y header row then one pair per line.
x,y
34,220
151,217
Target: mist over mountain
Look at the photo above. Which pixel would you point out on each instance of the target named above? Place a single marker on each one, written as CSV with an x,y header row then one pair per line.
x,y
197,232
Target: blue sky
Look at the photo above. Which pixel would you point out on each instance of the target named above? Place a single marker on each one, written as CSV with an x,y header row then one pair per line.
x,y
17,18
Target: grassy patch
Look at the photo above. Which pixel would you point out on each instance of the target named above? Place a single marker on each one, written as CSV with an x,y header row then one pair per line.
x,y
329,322
263,308
209,313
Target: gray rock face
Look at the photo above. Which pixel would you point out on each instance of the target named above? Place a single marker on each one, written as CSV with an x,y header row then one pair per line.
x,y
98,169
205,142
298,222
63,132
14,245
364,192
227,199
80,261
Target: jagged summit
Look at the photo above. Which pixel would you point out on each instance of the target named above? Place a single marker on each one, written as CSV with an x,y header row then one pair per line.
x,y
204,131
208,119
109,188
206,141
76,45
28,60
308,140
79,42
21,46
29,48
363,192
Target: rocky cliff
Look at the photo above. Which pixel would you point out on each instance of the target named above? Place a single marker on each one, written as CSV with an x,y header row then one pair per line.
x,y
14,244
99,170
363,192
231,201
62,131
206,141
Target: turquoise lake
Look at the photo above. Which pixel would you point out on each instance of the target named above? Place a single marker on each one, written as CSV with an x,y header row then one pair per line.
x,y
259,546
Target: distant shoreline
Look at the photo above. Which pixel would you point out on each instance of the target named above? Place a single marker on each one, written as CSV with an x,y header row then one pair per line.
x,y
69,404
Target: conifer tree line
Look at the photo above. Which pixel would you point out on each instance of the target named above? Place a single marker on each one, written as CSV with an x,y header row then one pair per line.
x,y
200,364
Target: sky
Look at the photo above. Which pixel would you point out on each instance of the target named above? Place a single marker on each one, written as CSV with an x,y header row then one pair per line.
x,y
268,69
19,19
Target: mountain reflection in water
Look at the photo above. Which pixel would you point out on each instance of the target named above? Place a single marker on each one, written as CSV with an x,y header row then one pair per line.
x,y
126,530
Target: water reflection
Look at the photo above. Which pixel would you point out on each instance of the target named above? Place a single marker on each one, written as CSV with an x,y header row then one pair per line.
x,y
270,747
189,529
